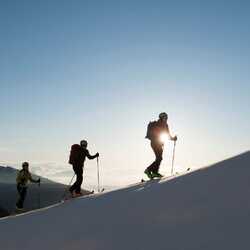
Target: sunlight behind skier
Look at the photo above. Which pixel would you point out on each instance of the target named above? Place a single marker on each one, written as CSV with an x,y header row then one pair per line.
x,y
158,133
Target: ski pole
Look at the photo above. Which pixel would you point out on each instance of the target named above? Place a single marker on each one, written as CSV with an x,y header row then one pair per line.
x,y
67,186
173,158
98,174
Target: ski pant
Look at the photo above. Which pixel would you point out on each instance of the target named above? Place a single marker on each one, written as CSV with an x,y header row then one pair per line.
x,y
79,178
158,151
22,191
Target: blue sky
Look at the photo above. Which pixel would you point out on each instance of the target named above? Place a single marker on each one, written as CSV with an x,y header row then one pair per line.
x,y
101,70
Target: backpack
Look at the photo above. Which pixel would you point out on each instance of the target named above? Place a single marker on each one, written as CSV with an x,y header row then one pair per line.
x,y
75,154
151,130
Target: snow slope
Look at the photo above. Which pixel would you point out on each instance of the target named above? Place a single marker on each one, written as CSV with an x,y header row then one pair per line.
x,y
3,212
205,209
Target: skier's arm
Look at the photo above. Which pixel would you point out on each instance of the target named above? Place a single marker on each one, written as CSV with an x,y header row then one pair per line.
x,y
90,157
172,138
32,180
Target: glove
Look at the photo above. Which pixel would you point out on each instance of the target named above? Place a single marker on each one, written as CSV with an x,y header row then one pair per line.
x,y
97,155
174,138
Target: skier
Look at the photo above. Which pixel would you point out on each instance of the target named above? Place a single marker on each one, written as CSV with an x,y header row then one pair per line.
x,y
154,132
22,179
77,157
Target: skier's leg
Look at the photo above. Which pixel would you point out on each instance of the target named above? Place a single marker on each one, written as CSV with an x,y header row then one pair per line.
x,y
158,150
22,194
158,154
74,186
79,179
18,203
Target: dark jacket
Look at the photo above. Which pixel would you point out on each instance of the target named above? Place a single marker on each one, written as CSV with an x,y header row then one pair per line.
x,y
82,156
78,155
155,129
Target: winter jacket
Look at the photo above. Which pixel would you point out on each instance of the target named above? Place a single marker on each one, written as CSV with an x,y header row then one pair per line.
x,y
23,177
155,129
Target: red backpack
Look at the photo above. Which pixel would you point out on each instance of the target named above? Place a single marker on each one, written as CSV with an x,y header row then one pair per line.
x,y
75,154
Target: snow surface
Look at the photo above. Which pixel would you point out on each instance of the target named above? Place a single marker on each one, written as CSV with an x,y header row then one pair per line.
x,y
3,212
205,209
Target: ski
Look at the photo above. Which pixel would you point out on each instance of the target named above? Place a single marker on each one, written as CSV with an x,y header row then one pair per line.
x,y
78,196
155,178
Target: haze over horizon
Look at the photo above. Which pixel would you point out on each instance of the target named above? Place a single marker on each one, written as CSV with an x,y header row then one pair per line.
x,y
102,70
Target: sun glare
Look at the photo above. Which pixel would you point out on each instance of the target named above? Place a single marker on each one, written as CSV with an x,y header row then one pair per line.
x,y
164,137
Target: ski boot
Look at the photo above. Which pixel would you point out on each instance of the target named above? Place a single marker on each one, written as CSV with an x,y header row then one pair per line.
x,y
149,174
156,175
19,210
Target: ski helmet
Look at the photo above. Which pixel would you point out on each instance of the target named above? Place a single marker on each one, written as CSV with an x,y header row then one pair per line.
x,y
163,115
84,143
25,164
